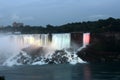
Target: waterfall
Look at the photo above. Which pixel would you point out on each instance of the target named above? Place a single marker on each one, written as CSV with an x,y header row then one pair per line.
x,y
12,45
61,41
86,41
44,39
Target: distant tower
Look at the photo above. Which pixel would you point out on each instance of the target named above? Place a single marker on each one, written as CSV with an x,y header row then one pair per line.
x,y
15,24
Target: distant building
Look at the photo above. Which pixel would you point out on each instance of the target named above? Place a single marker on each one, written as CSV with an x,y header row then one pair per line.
x,y
15,24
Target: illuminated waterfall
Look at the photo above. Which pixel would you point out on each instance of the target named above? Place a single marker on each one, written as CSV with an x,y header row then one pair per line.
x,y
17,42
61,41
44,39
11,46
86,39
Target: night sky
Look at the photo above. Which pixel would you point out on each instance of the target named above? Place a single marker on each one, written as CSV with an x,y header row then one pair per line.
x,y
56,12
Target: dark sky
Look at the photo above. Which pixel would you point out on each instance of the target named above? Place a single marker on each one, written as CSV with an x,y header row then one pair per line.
x,y
56,12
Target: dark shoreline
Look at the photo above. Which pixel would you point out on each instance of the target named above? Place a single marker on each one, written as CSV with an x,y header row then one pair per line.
x,y
104,47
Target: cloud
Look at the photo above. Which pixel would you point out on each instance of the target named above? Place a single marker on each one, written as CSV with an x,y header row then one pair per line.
x,y
16,17
57,12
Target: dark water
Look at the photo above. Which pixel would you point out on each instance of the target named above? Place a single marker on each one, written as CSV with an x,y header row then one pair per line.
x,y
62,72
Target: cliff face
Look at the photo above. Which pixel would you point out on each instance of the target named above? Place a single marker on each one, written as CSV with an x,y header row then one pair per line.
x,y
104,47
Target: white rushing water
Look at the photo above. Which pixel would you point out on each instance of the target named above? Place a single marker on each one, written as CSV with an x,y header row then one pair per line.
x,y
11,45
61,41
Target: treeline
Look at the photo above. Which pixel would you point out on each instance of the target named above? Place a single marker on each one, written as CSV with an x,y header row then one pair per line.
x,y
102,25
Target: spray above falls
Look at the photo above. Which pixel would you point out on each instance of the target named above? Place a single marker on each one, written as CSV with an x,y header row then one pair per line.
x,y
37,49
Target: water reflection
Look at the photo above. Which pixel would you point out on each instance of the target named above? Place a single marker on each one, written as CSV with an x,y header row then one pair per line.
x,y
87,72
96,72
81,72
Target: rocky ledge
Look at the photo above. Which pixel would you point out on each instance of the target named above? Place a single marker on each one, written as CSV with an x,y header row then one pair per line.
x,y
40,56
104,47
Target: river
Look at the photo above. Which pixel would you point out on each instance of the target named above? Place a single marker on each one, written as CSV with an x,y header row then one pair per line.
x,y
62,72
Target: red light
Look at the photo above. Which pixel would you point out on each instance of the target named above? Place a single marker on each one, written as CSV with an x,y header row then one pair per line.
x,y
86,38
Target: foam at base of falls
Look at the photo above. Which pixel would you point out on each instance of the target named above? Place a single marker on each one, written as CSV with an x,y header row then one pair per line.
x,y
58,57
